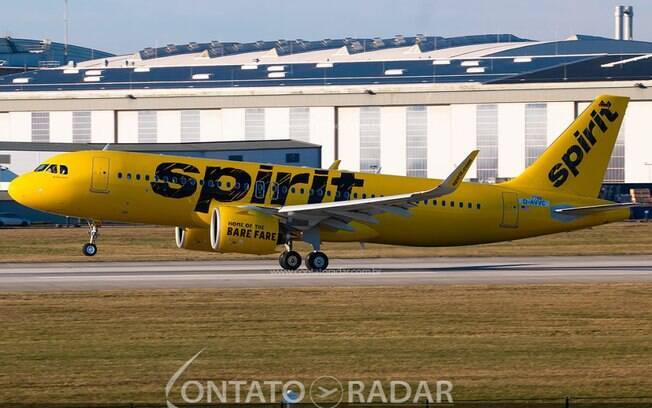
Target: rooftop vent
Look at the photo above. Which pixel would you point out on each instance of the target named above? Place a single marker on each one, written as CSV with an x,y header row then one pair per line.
x,y
377,42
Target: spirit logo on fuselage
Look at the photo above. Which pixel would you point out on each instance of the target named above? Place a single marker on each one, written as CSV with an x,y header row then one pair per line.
x,y
571,160
177,180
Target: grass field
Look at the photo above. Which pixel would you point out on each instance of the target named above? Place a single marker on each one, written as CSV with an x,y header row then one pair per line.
x,y
490,341
156,243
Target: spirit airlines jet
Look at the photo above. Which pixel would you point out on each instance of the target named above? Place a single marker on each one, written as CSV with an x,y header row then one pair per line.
x,y
252,208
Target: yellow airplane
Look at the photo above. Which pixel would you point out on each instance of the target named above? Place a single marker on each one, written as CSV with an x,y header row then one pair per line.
x,y
227,206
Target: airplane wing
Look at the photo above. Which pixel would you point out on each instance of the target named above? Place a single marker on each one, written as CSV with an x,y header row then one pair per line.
x,y
338,214
588,209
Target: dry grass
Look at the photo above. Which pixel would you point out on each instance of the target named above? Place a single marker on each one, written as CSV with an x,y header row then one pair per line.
x,y
155,243
490,341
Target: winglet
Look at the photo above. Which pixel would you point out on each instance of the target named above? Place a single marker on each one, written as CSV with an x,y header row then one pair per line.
x,y
335,165
457,176
452,181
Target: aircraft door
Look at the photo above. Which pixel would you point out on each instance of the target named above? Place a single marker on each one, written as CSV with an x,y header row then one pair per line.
x,y
510,210
100,175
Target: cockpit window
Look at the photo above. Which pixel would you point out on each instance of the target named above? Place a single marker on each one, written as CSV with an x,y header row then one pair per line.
x,y
63,169
41,167
52,168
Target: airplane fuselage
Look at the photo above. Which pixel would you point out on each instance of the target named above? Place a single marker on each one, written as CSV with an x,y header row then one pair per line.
x,y
179,191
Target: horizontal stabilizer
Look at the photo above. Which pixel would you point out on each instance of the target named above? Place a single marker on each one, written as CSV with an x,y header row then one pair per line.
x,y
594,208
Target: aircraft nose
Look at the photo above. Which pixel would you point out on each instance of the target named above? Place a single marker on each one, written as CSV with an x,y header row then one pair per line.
x,y
17,190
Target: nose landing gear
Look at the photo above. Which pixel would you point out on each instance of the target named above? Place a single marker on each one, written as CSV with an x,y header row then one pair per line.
x,y
90,249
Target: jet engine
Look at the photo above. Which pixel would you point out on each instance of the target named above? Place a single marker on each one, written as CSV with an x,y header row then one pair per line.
x,y
197,239
233,229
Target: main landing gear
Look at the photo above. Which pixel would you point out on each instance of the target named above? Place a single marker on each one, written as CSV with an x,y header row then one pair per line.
x,y
90,249
316,261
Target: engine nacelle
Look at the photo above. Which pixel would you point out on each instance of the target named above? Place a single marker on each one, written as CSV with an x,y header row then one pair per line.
x,y
197,239
236,230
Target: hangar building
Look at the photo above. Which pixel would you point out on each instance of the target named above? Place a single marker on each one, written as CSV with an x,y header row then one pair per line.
x,y
408,105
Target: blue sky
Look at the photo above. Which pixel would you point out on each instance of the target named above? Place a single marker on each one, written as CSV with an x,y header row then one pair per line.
x,y
122,26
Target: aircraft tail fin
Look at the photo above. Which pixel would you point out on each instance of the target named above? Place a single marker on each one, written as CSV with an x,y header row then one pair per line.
x,y
576,161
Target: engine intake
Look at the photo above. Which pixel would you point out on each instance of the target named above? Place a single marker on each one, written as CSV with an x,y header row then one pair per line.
x,y
235,230
197,239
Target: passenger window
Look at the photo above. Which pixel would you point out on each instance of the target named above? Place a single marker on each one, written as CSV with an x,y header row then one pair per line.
x,y
470,205
146,177
137,176
355,195
228,184
443,203
174,179
434,202
52,168
128,176
364,195
41,167
211,184
477,206
452,203
63,169
119,175
461,204
303,190
293,190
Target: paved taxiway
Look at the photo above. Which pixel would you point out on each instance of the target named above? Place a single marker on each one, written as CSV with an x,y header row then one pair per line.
x,y
344,272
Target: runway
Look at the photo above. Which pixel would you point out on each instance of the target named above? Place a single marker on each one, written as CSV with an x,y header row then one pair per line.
x,y
342,272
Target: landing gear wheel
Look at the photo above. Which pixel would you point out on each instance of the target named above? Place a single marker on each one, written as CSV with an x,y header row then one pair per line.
x,y
89,249
290,260
317,261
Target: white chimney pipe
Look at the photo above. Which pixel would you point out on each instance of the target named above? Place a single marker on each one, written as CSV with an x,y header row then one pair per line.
x,y
628,23
618,22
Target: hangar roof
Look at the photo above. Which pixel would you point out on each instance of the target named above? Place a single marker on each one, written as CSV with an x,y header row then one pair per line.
x,y
160,147
489,58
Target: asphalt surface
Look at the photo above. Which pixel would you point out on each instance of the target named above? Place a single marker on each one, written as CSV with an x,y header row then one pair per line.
x,y
344,272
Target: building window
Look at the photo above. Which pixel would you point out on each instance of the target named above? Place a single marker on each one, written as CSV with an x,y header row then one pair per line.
x,y
370,139
292,158
41,127
236,157
535,131
81,127
616,168
487,142
190,125
254,124
147,126
300,124
417,141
